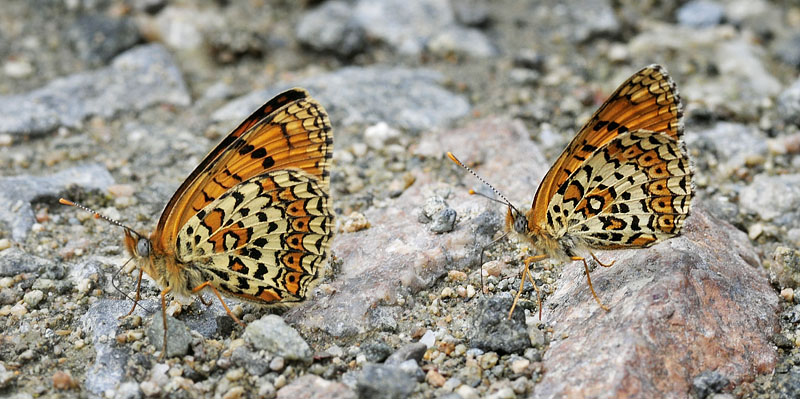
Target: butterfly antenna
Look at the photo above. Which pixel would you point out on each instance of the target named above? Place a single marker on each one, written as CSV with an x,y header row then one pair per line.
x,y
97,215
505,200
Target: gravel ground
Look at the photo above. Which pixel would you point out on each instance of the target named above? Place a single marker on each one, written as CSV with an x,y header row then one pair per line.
x,y
112,103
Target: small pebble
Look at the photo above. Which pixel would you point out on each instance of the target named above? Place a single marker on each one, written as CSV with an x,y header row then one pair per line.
x,y
280,381
266,390
234,374
787,294
447,292
63,380
429,339
277,363
467,392
536,336
5,243
18,310
494,267
456,275
121,190
755,230
434,378
520,365
488,360
33,298
355,222
234,393
149,388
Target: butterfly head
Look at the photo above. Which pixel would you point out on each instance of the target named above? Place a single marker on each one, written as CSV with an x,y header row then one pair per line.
x,y
137,245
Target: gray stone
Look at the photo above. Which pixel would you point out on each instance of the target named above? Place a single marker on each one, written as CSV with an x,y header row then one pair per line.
x,y
471,12
708,383
252,362
457,40
98,38
700,14
332,27
730,145
312,387
404,25
384,318
136,79
412,368
443,221
787,385
789,104
18,192
413,351
179,337
6,377
411,99
781,206
788,49
378,381
101,322
376,352
15,261
494,331
272,334
582,20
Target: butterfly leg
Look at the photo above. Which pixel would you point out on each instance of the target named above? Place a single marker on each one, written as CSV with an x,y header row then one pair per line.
x,y
601,263
589,279
138,289
203,300
208,284
164,319
526,274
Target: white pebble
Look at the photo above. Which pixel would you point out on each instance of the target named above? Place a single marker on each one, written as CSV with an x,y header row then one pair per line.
x,y
33,298
429,339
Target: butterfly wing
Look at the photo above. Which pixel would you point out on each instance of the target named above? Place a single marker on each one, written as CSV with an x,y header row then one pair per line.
x,y
264,240
647,100
253,217
634,192
290,130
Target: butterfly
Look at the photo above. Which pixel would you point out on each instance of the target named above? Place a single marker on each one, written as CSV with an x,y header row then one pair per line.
x,y
253,220
624,181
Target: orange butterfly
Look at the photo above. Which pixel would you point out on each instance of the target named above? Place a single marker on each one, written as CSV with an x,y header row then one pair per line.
x,y
624,181
253,220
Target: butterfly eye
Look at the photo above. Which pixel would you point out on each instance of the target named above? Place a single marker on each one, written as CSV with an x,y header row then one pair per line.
x,y
143,247
520,223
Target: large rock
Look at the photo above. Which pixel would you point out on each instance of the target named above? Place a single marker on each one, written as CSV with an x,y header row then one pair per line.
x,y
136,79
398,254
412,99
689,305
17,192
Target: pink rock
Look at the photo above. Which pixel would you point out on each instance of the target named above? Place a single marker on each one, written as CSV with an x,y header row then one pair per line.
x,y
690,304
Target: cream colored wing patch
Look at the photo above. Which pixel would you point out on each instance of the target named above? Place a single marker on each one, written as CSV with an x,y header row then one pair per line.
x,y
264,240
632,193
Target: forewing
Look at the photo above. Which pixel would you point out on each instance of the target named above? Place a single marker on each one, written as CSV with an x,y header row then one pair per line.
x,y
634,192
291,130
648,100
264,240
